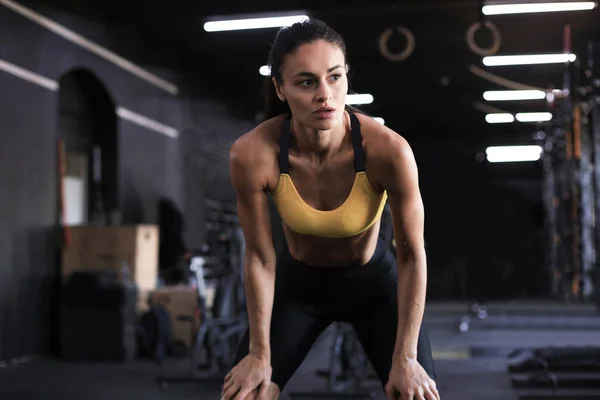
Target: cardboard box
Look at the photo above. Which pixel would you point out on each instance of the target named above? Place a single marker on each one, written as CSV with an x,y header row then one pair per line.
x,y
106,248
179,301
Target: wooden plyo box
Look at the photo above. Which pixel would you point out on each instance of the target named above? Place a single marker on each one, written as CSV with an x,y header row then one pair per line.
x,y
106,248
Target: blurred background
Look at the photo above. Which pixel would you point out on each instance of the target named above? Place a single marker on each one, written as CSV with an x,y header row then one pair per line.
x,y
119,244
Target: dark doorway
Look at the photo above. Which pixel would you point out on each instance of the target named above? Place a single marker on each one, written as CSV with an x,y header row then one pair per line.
x,y
88,128
87,133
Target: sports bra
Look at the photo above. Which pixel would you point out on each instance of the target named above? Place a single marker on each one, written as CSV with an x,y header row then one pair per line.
x,y
361,209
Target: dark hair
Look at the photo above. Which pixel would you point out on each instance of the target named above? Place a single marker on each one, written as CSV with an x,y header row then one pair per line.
x,y
287,40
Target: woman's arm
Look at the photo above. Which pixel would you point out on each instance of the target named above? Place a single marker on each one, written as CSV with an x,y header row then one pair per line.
x,y
249,177
400,180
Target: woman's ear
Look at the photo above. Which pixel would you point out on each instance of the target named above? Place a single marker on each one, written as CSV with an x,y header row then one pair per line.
x,y
278,89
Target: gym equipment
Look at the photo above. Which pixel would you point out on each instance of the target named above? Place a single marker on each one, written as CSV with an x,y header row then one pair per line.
x,y
219,332
224,319
572,202
549,373
558,359
571,143
348,369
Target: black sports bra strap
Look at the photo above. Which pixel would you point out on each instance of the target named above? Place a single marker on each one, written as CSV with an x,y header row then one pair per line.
x,y
359,152
284,147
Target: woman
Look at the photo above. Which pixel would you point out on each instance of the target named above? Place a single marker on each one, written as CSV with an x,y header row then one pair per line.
x,y
330,172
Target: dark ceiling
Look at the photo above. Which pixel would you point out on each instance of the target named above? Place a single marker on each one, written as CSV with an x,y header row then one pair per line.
x,y
430,95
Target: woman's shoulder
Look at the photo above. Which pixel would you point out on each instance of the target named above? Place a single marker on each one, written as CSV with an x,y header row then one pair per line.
x,y
389,157
379,141
259,146
266,133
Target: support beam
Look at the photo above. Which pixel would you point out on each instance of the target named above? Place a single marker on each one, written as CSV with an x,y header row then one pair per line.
x,y
594,117
587,246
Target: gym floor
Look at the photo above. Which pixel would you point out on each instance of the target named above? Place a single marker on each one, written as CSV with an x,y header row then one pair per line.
x,y
470,365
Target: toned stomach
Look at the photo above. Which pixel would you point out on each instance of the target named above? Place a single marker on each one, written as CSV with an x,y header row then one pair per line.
x,y
332,252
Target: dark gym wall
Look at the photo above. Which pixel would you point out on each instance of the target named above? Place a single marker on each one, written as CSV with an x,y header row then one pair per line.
x,y
206,139
150,163
28,214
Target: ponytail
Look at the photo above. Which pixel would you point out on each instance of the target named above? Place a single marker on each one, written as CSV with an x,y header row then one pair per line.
x,y
272,105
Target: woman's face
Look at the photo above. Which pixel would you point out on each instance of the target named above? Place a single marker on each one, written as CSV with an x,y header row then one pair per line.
x,y
314,84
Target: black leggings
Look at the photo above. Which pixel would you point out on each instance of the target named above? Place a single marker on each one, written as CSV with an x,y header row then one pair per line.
x,y
308,299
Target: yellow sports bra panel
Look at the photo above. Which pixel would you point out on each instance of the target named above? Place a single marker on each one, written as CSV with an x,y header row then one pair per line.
x,y
361,210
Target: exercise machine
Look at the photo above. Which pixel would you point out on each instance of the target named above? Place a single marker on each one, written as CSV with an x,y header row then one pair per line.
x,y
216,269
556,373
219,332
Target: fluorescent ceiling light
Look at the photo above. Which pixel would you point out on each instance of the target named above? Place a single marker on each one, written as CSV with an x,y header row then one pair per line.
x,y
499,118
528,59
498,9
252,23
359,99
534,117
380,120
505,95
265,70
513,153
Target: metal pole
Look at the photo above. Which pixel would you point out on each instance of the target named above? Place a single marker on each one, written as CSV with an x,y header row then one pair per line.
x,y
594,119
550,211
586,214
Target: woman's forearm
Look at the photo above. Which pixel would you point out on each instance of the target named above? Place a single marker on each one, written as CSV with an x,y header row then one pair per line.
x,y
412,287
259,283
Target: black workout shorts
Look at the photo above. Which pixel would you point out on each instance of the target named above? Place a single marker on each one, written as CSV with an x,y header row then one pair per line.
x,y
308,299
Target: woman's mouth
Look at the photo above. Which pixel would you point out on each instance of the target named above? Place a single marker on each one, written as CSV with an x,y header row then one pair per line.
x,y
325,112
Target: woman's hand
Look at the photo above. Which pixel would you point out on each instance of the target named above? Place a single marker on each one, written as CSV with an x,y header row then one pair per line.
x,y
250,373
409,381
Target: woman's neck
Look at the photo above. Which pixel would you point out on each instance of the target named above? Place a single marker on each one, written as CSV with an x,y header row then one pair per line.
x,y
319,144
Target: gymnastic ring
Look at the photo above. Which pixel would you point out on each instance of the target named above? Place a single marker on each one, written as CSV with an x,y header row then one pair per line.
x,y
493,49
404,54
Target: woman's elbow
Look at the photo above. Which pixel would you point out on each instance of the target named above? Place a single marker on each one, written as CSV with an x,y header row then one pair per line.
x,y
411,255
260,258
